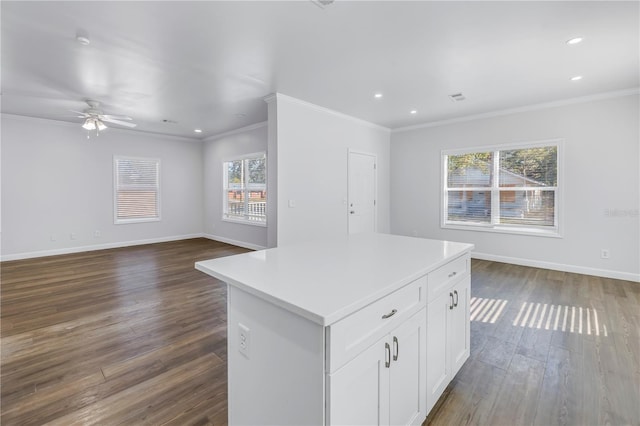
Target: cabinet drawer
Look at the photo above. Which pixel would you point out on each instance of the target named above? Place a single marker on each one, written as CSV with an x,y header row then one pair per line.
x,y
440,279
351,335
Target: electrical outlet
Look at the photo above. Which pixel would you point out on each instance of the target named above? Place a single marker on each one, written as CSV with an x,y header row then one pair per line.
x,y
244,339
97,234
604,253
72,236
52,237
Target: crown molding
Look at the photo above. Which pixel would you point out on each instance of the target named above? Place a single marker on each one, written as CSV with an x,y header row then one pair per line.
x,y
61,123
270,98
534,107
292,100
235,131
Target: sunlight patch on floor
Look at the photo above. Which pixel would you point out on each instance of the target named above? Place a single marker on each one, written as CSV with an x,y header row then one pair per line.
x,y
543,316
571,319
486,310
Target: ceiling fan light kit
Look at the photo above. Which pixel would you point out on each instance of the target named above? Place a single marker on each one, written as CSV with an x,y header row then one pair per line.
x,y
95,119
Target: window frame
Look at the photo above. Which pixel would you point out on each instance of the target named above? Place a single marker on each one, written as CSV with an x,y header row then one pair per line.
x,y
157,218
493,225
225,189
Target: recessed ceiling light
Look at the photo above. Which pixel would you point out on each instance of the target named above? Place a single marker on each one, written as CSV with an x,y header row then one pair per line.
x,y
82,37
576,78
198,130
377,95
413,111
574,40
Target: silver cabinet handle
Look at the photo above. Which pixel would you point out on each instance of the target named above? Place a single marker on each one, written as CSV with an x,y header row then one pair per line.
x,y
387,355
396,348
453,274
455,304
390,314
451,302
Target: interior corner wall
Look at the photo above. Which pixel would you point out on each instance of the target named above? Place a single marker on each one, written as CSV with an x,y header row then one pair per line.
x,y
56,182
601,193
216,152
313,145
272,172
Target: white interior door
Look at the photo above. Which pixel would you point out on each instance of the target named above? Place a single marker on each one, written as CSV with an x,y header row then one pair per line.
x,y
362,192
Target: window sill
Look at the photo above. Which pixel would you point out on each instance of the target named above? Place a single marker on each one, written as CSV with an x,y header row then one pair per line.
x,y
244,222
141,220
552,233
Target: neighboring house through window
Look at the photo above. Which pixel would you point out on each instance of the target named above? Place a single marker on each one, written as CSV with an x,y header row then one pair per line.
x,y
513,188
245,189
136,189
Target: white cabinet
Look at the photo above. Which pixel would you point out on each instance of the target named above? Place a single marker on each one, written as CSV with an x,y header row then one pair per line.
x,y
385,384
448,331
336,331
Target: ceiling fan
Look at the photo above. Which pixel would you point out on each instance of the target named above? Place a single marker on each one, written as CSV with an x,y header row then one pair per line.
x,y
94,119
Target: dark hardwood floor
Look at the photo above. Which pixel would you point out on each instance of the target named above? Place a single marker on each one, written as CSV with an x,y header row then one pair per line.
x,y
138,336
124,336
547,348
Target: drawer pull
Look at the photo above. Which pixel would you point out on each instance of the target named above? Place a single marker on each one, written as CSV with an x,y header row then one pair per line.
x,y
390,314
451,304
453,274
455,304
396,348
387,355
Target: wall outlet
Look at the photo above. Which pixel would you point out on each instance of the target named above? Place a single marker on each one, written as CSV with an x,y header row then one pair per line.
x,y
292,204
244,339
604,254
72,236
97,234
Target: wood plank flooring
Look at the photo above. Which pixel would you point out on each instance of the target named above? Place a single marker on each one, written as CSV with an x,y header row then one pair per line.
x,y
530,365
123,336
138,336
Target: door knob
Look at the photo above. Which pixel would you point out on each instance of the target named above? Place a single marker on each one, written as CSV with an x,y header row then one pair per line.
x,y
352,212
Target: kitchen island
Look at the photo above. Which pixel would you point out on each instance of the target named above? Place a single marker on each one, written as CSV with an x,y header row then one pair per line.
x,y
343,331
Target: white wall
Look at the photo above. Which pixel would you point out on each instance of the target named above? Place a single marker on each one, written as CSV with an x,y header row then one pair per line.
x,y
312,154
216,151
601,172
56,182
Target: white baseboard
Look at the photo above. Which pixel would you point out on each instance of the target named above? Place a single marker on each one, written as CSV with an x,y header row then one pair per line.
x,y
606,273
68,250
233,242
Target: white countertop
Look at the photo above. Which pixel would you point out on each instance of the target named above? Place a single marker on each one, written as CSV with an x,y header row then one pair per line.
x,y
324,281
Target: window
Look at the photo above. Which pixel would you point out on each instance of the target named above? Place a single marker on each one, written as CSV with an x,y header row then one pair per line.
x,y
136,189
245,189
505,189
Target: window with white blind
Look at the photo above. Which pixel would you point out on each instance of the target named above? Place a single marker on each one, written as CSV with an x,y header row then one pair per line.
x,y
245,189
136,189
513,188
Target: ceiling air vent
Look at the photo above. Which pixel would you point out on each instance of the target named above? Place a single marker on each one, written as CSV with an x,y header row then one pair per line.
x,y
457,97
322,3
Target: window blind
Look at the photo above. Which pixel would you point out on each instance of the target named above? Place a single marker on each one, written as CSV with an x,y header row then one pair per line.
x,y
136,189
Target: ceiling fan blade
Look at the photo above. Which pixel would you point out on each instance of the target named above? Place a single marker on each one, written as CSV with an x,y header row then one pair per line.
x,y
116,117
121,123
84,114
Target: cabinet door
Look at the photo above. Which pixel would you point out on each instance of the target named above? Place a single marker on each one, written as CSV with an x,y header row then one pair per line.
x,y
407,372
359,391
437,333
459,330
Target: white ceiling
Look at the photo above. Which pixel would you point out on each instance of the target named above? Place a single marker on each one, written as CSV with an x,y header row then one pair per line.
x,y
209,64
